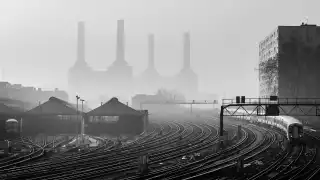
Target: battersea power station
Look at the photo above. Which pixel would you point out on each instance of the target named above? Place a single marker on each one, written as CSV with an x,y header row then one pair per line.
x,y
117,80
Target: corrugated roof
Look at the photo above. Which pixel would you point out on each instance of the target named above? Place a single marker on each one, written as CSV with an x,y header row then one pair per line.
x,y
54,106
113,108
74,106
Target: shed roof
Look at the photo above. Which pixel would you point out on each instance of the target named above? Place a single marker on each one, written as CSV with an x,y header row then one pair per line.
x,y
17,105
53,106
114,108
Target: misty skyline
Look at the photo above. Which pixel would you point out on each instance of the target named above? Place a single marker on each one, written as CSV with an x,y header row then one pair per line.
x,y
39,38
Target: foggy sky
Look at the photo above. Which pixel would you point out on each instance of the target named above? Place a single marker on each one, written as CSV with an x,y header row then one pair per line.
x,y
38,37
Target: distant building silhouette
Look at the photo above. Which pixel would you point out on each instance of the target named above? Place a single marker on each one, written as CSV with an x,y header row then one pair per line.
x,y
118,79
150,79
289,62
29,94
187,78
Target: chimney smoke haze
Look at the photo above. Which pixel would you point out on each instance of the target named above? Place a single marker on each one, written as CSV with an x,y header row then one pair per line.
x,y
93,41
186,51
151,51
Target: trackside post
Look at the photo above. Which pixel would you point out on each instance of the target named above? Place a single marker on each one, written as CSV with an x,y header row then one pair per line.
x,y
239,133
240,164
221,123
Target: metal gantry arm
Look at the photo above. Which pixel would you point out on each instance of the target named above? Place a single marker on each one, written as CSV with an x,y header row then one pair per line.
x,y
259,107
179,102
286,106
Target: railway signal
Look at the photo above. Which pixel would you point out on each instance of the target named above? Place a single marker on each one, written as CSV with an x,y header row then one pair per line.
x,y
119,143
238,99
240,164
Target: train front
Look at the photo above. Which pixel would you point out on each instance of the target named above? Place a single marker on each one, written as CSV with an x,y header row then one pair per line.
x,y
12,129
295,132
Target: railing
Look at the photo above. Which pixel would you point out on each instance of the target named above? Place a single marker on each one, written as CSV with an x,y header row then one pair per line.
x,y
288,101
181,102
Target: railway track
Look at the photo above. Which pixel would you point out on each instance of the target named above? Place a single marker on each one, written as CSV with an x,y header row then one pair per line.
x,y
215,162
36,152
107,145
309,169
50,164
20,141
110,160
184,130
293,164
109,165
127,169
179,167
196,148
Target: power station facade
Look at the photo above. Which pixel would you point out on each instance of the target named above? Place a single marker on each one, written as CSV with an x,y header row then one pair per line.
x,y
117,79
289,62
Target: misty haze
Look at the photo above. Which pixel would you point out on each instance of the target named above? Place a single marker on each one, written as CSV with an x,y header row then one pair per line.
x,y
150,89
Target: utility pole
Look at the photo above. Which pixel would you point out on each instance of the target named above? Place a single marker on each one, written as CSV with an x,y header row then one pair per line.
x,y
82,121
78,97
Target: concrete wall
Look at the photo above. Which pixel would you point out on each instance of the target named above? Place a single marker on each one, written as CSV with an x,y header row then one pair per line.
x,y
299,63
49,125
299,74
132,125
298,52
100,128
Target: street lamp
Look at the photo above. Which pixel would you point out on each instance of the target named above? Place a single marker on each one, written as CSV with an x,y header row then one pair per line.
x,y
78,97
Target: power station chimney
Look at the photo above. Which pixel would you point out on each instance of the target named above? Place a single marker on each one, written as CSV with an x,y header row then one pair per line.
x,y
120,42
151,50
81,42
186,51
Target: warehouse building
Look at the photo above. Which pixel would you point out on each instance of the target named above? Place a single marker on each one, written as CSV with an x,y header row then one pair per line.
x,y
115,118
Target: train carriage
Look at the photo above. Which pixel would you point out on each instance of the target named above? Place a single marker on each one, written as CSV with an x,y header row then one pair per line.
x,y
292,127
